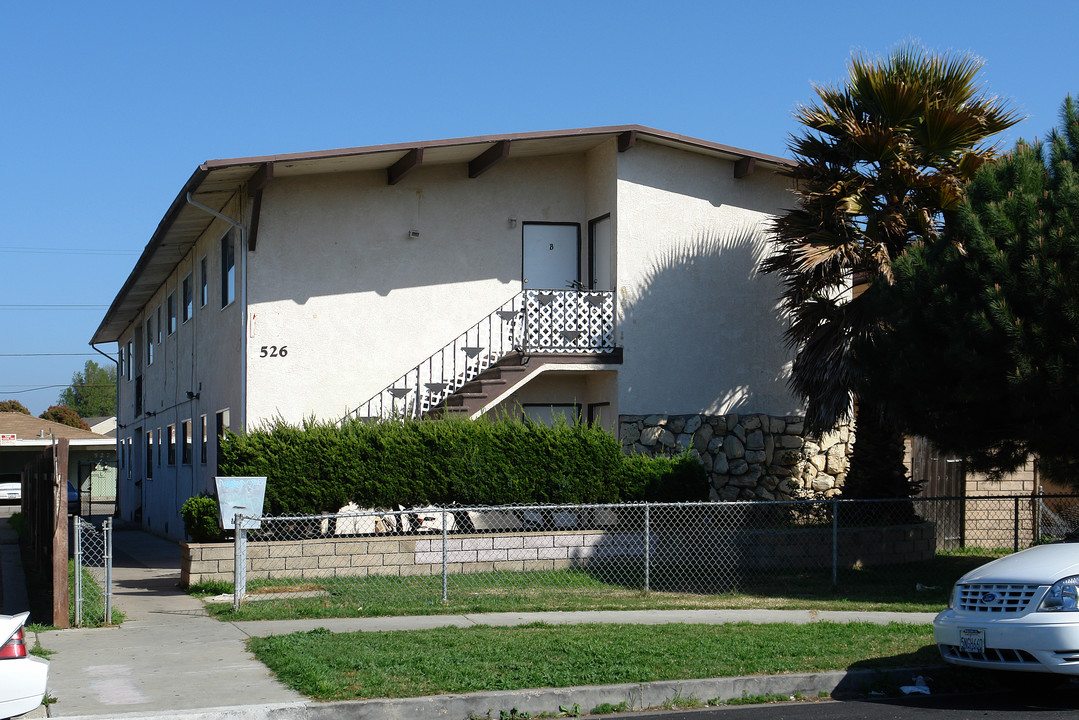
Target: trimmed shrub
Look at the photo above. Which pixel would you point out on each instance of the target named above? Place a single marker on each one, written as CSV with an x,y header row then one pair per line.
x,y
661,479
319,467
200,516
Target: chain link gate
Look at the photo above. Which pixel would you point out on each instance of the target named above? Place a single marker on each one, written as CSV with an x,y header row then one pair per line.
x,y
92,573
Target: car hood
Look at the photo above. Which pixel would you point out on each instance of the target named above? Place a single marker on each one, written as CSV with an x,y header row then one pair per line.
x,y
1042,565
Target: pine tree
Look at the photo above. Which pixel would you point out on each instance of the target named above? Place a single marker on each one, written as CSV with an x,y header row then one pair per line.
x,y
982,355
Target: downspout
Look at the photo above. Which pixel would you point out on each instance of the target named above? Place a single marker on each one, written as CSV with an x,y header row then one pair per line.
x,y
243,324
116,362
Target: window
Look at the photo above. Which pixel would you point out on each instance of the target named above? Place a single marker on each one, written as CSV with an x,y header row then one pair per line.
x,y
202,440
204,284
171,304
130,357
171,430
158,316
149,454
222,426
123,363
228,270
185,435
150,340
159,447
188,307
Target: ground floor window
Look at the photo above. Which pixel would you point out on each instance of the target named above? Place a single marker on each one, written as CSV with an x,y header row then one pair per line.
x,y
552,414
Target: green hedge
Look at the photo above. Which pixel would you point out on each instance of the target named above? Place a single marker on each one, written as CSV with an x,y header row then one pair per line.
x,y
319,467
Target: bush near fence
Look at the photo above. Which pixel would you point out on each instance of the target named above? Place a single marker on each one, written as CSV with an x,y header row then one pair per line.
x,y
318,466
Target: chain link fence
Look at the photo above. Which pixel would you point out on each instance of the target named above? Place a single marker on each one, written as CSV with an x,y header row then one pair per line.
x,y
608,556
92,573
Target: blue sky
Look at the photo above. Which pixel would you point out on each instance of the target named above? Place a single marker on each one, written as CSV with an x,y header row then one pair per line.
x,y
109,107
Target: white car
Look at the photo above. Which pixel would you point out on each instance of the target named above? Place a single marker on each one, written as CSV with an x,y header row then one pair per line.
x,y
22,676
10,491
1020,612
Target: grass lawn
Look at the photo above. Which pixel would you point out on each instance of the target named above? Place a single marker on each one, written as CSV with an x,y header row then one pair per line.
x,y
893,588
328,666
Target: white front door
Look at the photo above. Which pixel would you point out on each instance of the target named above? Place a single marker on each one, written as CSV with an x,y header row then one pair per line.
x,y
551,256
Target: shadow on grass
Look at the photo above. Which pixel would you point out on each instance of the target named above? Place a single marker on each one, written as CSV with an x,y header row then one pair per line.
x,y
918,587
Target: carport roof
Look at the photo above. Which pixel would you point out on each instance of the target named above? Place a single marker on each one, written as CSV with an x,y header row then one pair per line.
x,y
215,182
28,427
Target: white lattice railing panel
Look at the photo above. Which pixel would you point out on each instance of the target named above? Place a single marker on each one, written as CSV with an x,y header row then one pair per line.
x,y
569,321
561,321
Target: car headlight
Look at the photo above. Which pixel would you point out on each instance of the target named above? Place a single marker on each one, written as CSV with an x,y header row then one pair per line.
x,y
1062,596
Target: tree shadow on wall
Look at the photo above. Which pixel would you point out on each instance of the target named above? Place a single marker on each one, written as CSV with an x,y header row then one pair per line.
x,y
705,306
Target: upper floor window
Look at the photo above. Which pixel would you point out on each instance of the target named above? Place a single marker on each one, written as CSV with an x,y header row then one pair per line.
x,y
185,438
123,362
204,283
130,357
157,317
228,269
150,340
170,305
188,307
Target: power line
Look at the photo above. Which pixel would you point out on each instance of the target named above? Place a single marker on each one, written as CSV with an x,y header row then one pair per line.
x,y
53,307
48,354
63,251
31,388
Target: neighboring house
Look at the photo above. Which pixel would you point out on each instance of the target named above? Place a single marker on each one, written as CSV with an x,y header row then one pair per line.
x,y
91,457
102,425
605,273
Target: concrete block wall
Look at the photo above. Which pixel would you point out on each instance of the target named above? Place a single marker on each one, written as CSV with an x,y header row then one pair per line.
x,y
521,552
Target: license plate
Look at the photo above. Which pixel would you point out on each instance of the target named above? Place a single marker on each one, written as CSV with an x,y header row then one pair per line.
x,y
972,641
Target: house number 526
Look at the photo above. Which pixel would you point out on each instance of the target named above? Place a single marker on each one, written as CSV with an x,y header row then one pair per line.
x,y
273,351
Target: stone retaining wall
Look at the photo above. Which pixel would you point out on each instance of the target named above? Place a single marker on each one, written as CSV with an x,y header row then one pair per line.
x,y
748,457
775,550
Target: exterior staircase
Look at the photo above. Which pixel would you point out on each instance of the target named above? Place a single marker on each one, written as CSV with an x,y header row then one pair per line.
x,y
533,329
513,370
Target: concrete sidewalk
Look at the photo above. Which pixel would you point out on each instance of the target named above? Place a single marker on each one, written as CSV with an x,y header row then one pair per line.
x,y
170,659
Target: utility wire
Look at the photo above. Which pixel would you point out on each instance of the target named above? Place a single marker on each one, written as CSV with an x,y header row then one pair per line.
x,y
31,388
63,251
53,307
48,354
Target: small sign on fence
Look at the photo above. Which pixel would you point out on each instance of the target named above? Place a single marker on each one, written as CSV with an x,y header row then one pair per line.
x,y
243,496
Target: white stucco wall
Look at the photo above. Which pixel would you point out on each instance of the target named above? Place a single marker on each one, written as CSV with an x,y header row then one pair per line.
x,y
699,325
202,357
336,279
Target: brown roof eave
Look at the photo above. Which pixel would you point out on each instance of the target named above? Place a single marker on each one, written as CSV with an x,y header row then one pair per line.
x,y
103,334
779,162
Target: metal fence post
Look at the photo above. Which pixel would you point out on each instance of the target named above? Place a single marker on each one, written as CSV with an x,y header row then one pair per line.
x,y
647,548
1015,535
107,528
445,578
835,544
75,522
239,573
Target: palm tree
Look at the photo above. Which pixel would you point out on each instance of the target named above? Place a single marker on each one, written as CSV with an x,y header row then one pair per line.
x,y
881,163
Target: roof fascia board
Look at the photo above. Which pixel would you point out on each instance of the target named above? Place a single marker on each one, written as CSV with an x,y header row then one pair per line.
x,y
641,131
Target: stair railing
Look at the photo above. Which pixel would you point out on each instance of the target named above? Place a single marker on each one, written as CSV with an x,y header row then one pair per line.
x,y
555,321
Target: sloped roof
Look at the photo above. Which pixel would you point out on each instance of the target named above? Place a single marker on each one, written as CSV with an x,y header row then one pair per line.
x,y
215,182
28,427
